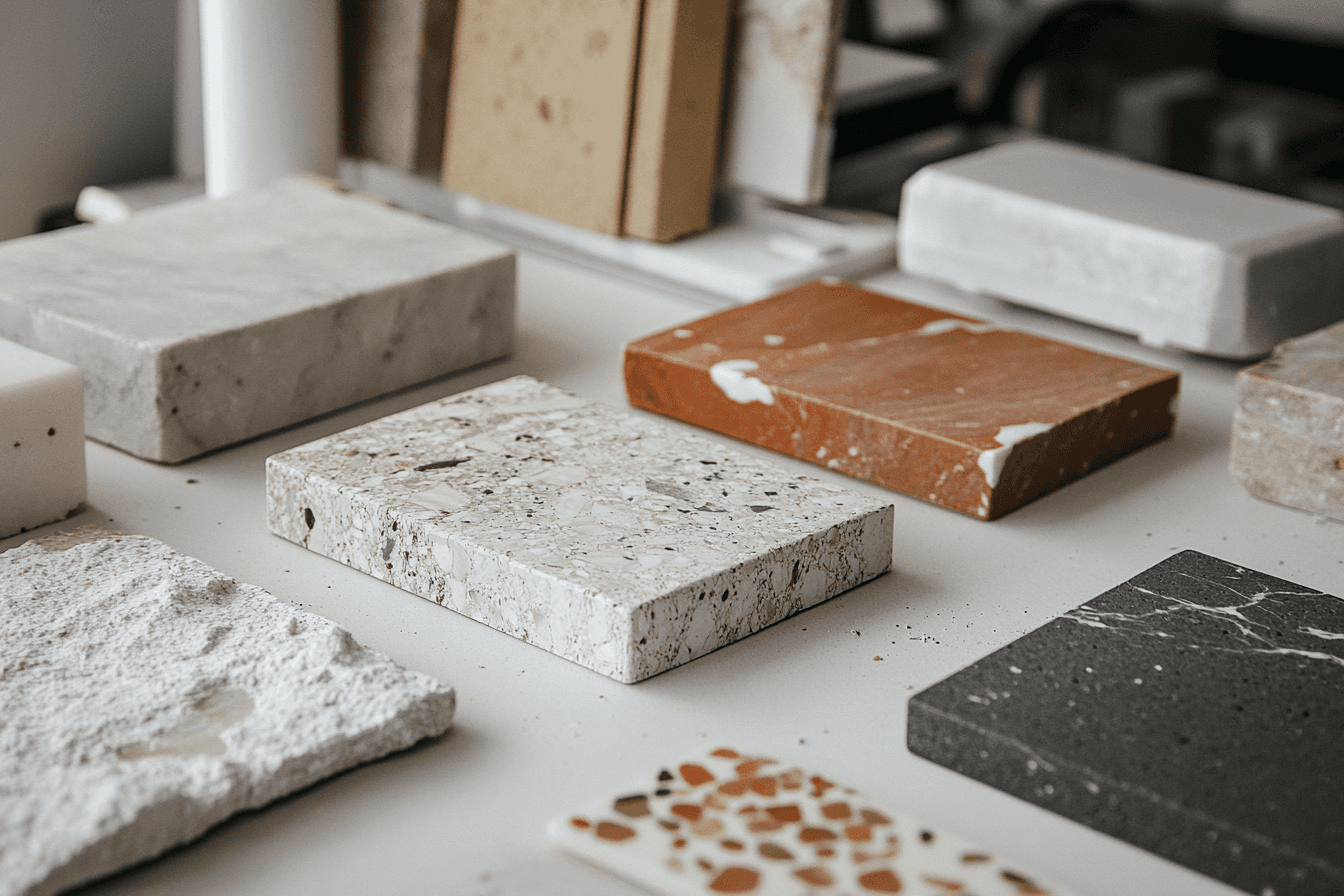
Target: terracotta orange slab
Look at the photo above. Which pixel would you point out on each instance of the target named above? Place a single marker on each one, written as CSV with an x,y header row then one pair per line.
x,y
953,410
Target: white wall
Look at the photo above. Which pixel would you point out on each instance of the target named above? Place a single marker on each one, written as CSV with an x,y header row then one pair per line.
x,y
86,97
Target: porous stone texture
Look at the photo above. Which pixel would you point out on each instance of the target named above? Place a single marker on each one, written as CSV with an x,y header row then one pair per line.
x,y
1179,260
730,822
41,439
609,539
146,697
1288,429
1194,711
205,322
956,411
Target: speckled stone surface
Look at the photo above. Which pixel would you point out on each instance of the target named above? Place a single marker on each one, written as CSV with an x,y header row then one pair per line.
x,y
205,322
1178,260
1194,711
949,409
729,822
606,538
145,697
1288,429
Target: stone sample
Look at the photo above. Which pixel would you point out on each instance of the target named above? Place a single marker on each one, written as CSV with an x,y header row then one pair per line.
x,y
952,410
539,107
1180,260
674,135
205,322
1194,711
1288,429
729,822
146,697
397,55
778,132
41,439
606,538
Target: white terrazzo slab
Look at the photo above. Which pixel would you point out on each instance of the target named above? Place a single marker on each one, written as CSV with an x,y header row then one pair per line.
x,y
205,322
607,538
729,822
1288,429
41,439
1179,260
777,140
146,697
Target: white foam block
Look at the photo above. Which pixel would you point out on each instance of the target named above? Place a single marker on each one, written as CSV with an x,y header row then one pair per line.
x,y
729,822
146,697
1288,429
41,439
607,538
1179,260
205,322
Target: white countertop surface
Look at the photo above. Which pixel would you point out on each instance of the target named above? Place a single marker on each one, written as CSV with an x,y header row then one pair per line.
x,y
537,736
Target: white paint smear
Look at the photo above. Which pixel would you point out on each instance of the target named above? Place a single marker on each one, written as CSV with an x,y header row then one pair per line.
x,y
731,377
772,339
948,324
992,461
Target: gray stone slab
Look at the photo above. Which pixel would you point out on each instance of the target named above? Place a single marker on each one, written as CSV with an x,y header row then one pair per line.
x,y
1288,429
1194,711
146,697
202,323
607,538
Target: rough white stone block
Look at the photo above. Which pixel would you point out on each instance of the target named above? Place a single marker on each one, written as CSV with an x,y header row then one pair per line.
x,y
607,538
1288,429
145,697
41,439
1179,260
205,322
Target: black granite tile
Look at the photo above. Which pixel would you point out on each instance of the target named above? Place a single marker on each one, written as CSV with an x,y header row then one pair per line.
x,y
1196,711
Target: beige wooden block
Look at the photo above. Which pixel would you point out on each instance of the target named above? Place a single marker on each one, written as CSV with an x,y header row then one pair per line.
x,y
670,184
540,104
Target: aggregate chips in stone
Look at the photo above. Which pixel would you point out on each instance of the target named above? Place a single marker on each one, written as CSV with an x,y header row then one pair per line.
x,y
734,823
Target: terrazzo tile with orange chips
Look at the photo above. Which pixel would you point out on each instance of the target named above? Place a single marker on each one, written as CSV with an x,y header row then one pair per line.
x,y
735,823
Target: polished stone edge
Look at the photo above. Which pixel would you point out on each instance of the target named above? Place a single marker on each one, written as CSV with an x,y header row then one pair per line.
x,y
964,488
509,596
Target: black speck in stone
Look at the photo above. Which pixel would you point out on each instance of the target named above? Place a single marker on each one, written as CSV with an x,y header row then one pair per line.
x,y
1226,759
760,508
51,431
308,517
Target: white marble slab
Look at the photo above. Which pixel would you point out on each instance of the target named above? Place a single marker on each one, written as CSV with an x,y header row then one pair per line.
x,y
605,537
777,138
146,697
1288,429
1179,260
730,822
41,439
205,322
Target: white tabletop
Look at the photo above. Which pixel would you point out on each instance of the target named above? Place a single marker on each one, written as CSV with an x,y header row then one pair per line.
x,y
536,736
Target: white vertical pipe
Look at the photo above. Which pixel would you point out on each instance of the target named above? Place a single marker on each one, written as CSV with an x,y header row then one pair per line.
x,y
270,76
